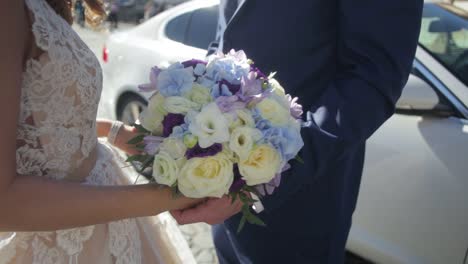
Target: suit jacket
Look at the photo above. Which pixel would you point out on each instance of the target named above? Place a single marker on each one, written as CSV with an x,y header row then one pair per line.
x,y
347,61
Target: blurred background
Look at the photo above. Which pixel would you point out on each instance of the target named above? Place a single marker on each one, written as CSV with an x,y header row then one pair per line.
x,y
413,203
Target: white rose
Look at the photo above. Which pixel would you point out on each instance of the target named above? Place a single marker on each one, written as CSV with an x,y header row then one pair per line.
x,y
243,139
210,126
274,112
165,169
151,118
276,87
241,117
199,94
261,165
206,177
179,105
174,147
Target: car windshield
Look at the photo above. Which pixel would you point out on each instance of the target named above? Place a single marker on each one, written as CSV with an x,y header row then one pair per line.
x,y
444,34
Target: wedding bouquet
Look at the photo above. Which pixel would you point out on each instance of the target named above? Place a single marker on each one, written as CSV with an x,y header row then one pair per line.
x,y
218,127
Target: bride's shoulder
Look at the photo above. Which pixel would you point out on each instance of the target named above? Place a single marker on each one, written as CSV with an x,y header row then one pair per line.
x,y
14,27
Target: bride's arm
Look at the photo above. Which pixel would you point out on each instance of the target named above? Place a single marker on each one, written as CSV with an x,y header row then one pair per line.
x,y
30,203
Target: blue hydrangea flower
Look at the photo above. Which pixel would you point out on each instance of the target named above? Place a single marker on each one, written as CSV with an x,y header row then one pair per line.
x,y
286,140
230,68
220,90
176,80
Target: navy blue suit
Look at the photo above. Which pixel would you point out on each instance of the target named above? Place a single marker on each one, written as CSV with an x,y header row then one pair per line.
x,y
347,61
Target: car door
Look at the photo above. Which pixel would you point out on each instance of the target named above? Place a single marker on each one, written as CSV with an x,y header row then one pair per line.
x,y
413,203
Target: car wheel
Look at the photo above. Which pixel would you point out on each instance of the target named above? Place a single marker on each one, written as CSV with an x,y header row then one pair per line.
x,y
130,108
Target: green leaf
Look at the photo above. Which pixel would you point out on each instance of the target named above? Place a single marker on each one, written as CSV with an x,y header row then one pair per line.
x,y
241,224
255,220
136,139
234,197
252,190
135,158
146,162
245,198
140,146
141,129
299,159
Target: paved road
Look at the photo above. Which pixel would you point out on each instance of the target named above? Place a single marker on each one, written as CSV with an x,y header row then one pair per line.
x,y
198,235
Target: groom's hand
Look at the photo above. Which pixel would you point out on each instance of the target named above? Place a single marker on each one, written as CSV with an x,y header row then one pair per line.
x,y
212,211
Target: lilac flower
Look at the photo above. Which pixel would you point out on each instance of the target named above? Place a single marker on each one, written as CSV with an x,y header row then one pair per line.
x,y
170,121
152,144
150,87
200,152
176,80
238,182
270,187
229,103
250,85
295,108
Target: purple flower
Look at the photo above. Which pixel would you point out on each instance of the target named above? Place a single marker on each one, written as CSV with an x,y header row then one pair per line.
x,y
229,103
170,121
259,73
199,152
152,144
238,182
269,188
150,87
233,88
295,108
193,63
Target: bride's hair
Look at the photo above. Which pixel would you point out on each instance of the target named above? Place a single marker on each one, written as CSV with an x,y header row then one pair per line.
x,y
94,10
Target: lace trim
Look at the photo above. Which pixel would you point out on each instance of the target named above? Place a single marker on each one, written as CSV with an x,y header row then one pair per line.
x,y
60,95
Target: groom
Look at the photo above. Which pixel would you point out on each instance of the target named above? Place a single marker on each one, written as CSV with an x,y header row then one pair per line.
x,y
347,61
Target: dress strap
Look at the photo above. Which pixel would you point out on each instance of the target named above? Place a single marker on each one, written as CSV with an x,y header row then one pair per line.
x,y
41,25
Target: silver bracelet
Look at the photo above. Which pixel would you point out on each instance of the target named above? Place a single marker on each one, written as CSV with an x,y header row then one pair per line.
x,y
114,130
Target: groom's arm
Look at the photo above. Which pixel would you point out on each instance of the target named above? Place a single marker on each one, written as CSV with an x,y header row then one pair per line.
x,y
376,46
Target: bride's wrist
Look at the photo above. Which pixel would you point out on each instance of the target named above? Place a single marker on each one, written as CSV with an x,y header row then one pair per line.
x,y
114,132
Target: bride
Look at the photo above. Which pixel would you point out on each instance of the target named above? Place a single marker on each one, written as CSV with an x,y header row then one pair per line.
x,y
59,196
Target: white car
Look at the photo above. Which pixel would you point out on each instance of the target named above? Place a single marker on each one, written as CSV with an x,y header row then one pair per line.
x,y
413,203
178,34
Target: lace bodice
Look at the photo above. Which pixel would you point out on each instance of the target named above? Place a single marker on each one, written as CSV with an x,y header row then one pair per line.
x,y
59,98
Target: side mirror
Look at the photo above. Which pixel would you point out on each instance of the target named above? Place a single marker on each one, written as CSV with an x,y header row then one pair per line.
x,y
419,98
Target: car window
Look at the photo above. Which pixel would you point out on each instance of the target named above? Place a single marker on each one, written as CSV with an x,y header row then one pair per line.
x,y
177,27
202,28
444,33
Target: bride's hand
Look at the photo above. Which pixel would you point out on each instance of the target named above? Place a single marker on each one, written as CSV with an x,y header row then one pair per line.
x,y
125,134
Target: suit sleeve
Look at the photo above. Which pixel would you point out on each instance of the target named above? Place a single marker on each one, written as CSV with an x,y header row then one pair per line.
x,y
376,45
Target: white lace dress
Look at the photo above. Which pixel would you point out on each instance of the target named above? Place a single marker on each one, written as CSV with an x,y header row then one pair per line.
x,y
57,139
